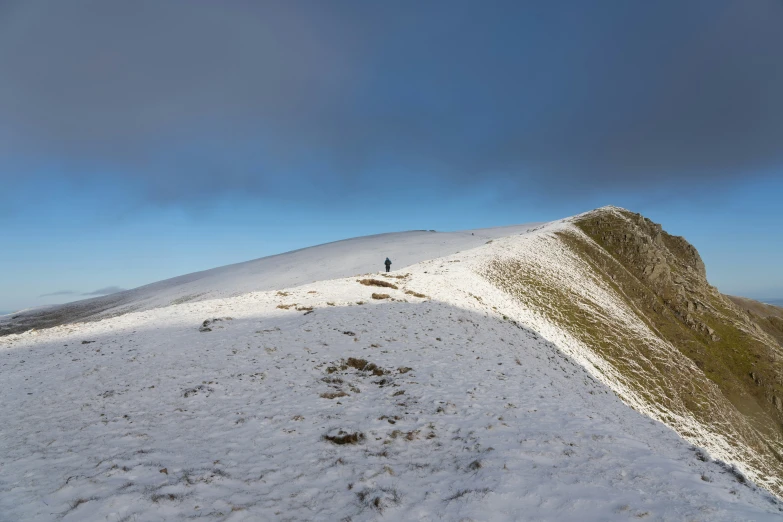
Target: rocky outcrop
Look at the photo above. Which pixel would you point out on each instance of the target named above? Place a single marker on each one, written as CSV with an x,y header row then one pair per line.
x,y
668,265
736,349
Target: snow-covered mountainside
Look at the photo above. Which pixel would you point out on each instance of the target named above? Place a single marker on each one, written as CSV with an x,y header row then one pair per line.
x,y
444,391
327,261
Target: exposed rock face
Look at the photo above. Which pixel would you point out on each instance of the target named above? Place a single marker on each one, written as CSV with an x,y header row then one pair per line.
x,y
668,265
635,305
672,272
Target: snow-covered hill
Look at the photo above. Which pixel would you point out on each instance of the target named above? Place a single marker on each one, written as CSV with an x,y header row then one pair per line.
x,y
436,398
327,261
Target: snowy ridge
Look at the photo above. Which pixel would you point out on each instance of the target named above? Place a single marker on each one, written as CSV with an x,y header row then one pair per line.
x,y
448,397
550,262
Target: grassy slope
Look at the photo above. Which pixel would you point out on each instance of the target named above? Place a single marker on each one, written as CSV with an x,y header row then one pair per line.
x,y
768,317
721,339
689,356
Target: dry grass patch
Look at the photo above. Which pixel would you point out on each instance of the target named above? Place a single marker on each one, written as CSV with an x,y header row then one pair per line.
x,y
461,493
377,282
285,306
379,499
380,296
167,496
402,276
364,366
415,294
342,437
334,395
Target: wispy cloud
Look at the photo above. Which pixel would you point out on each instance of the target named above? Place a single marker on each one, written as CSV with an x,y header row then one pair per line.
x,y
61,292
106,291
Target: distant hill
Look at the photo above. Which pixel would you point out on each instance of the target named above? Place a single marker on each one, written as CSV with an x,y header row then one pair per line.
x,y
327,261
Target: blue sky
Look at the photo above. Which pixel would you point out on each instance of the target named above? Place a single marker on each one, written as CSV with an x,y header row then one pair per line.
x,y
233,131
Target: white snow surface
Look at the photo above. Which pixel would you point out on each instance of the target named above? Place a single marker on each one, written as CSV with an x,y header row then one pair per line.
x,y
327,261
144,417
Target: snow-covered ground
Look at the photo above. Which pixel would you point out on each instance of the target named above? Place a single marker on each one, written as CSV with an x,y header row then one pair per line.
x,y
460,414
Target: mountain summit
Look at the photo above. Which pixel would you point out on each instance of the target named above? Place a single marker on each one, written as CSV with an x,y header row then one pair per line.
x,y
581,369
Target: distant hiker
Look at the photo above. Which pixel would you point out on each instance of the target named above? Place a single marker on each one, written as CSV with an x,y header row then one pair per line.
x,y
388,264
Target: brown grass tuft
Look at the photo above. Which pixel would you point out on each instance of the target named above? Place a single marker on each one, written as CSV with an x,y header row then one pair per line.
x,y
364,366
380,296
376,282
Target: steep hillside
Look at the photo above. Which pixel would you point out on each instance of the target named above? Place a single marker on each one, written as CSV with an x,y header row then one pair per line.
x,y
769,317
634,305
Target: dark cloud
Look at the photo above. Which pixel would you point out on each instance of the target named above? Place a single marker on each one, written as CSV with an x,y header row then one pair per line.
x,y
106,291
61,292
182,99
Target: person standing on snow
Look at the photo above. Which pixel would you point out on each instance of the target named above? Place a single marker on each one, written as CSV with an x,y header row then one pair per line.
x,y
388,264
